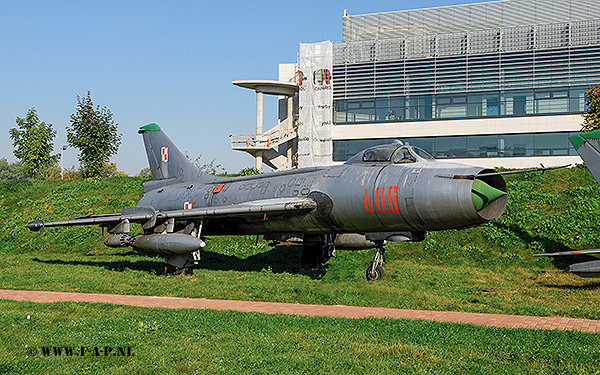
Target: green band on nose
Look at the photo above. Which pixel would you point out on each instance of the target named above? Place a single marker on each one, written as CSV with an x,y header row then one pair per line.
x,y
483,194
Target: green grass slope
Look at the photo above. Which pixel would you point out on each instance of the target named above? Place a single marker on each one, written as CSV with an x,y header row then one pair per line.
x,y
484,269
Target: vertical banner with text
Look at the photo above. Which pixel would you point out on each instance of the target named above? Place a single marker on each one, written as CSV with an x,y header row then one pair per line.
x,y
315,127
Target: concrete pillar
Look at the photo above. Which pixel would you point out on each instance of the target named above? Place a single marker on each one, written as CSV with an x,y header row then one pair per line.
x,y
259,127
259,112
290,109
290,154
259,160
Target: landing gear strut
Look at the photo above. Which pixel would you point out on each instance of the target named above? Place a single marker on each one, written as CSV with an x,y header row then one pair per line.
x,y
375,270
314,254
183,263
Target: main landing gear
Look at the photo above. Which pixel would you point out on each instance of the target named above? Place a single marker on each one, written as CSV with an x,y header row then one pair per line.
x,y
375,270
178,271
317,251
183,263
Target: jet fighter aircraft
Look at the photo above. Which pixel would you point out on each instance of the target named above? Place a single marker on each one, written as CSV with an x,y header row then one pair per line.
x,y
587,146
391,192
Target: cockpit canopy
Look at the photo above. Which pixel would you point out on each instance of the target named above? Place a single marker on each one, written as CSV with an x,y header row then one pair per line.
x,y
395,153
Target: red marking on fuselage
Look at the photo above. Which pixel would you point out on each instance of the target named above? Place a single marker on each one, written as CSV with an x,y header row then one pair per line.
x,y
393,200
368,202
380,203
218,188
380,200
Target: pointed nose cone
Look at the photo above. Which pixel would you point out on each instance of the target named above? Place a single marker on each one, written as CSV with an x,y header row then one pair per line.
x,y
483,194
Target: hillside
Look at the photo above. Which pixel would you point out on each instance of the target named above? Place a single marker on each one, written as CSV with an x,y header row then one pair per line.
x,y
484,269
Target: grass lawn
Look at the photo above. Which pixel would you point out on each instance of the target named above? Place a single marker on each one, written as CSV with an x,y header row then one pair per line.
x,y
485,269
204,341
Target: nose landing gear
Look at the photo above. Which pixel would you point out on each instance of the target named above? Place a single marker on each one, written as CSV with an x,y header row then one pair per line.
x,y
375,271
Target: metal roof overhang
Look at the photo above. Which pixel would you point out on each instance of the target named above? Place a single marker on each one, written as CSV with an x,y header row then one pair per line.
x,y
269,87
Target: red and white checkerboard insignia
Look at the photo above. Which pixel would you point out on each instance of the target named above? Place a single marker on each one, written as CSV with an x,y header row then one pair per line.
x,y
164,154
188,205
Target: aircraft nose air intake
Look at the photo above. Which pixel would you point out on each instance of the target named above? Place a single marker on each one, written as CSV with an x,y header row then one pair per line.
x,y
483,194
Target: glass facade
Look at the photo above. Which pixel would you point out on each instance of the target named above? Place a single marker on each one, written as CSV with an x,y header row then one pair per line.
x,y
548,101
474,61
471,146
524,70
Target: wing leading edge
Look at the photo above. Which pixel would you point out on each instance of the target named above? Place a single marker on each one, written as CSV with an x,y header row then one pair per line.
x,y
148,216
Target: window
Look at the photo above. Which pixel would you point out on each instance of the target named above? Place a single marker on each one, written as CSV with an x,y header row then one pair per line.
x,y
483,146
403,156
516,145
422,153
379,153
461,106
551,144
478,146
451,147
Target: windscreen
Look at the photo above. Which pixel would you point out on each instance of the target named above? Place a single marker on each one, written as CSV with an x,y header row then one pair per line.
x,y
379,153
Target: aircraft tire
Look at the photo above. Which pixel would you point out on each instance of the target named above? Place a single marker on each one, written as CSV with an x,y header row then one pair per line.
x,y
310,258
188,271
379,274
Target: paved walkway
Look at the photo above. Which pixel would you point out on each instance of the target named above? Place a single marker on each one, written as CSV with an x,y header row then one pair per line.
x,y
493,320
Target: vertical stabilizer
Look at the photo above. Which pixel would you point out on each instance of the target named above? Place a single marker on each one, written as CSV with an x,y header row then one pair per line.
x,y
166,161
588,148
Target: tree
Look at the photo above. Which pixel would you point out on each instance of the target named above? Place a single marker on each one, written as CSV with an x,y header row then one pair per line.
x,y
94,133
591,118
32,141
211,167
249,171
11,171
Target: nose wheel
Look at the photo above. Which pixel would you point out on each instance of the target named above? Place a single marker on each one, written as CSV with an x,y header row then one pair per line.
x,y
375,271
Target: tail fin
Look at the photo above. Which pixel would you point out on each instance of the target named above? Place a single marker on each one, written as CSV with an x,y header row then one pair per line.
x,y
588,147
167,163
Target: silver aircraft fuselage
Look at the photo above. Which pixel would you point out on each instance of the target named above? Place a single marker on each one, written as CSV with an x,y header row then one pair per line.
x,y
351,198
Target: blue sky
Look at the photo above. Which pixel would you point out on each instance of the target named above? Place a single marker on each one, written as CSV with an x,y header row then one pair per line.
x,y
169,62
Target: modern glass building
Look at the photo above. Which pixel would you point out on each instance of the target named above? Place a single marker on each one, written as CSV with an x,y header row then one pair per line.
x,y
495,84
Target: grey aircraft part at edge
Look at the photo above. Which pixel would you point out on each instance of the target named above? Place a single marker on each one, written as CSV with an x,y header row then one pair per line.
x,y
385,193
587,146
